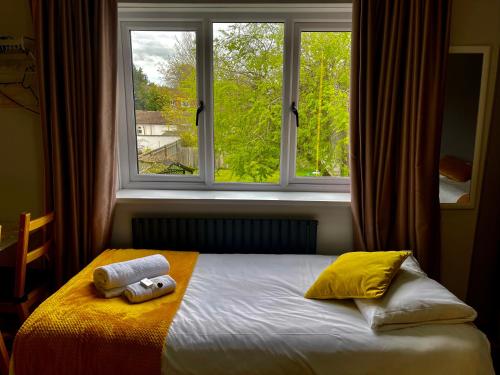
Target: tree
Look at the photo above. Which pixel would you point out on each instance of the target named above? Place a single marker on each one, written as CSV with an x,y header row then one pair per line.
x,y
247,99
140,87
327,56
180,75
148,96
247,89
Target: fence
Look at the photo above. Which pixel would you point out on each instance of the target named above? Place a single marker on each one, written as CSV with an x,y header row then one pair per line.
x,y
173,152
187,156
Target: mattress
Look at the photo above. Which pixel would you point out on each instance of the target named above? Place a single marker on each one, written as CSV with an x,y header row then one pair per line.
x,y
246,314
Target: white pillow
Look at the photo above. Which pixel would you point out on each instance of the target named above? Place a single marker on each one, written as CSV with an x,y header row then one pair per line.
x,y
414,299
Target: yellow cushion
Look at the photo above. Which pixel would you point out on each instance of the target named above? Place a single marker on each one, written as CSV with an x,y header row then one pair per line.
x,y
358,274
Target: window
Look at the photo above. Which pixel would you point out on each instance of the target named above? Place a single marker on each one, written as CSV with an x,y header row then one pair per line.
x,y
247,87
243,100
164,74
323,102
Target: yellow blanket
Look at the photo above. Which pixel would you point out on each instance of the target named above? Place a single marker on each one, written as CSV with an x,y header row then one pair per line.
x,y
77,332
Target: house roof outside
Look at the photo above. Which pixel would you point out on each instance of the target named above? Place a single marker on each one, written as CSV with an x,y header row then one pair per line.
x,y
149,118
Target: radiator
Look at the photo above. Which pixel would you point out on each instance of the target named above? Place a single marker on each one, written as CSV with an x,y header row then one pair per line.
x,y
229,235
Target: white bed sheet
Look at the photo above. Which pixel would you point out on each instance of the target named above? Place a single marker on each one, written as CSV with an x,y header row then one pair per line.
x,y
450,191
246,314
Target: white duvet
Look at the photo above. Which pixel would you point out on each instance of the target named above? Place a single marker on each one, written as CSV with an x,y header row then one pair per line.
x,y
246,314
450,191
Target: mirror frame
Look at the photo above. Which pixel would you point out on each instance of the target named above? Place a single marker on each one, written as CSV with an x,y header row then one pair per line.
x,y
481,131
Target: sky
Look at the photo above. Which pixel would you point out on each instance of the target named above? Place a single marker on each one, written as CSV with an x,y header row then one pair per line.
x,y
153,48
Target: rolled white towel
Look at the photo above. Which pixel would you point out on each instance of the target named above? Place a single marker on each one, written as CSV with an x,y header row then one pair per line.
x,y
137,293
124,273
111,293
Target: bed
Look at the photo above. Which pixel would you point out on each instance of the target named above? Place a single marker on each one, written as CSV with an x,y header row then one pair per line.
x,y
454,180
451,191
246,314
251,317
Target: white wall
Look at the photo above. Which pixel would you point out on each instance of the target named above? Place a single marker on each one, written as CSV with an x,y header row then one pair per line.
x,y
21,152
153,129
334,229
152,142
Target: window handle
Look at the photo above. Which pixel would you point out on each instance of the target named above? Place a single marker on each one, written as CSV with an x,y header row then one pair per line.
x,y
296,113
200,108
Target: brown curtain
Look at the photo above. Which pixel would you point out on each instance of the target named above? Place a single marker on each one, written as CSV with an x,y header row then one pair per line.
x,y
485,263
76,62
399,51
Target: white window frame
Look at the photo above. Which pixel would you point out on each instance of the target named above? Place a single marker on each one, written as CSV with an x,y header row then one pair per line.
x,y
298,29
199,18
126,28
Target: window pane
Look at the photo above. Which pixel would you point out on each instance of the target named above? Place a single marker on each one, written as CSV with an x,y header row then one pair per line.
x,y
323,133
248,75
165,100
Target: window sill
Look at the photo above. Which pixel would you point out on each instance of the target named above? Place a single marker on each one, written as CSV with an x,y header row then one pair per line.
x,y
231,197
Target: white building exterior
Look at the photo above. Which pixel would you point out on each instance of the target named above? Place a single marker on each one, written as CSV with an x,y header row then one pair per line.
x,y
152,142
152,131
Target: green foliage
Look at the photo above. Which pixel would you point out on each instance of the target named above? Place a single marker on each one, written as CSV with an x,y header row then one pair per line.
x,y
247,87
247,99
157,97
148,96
180,75
153,168
140,86
329,51
189,136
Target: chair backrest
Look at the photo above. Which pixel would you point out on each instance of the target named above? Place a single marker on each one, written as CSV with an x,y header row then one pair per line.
x,y
24,256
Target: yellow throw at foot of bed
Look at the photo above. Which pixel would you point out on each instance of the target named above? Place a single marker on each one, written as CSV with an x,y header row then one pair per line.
x,y
77,332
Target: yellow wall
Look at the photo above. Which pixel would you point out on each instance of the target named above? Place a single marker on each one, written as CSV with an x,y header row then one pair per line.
x,y
21,153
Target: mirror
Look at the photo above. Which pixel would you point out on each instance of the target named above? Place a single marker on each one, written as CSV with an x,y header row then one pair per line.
x,y
466,80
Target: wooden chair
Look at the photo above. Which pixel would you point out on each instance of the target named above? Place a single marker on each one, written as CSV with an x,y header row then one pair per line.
x,y
4,357
27,286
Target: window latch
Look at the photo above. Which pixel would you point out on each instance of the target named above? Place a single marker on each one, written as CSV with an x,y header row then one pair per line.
x,y
200,108
296,113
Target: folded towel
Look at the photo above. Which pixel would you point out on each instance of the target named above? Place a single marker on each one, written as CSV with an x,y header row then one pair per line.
x,y
162,285
111,293
124,273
